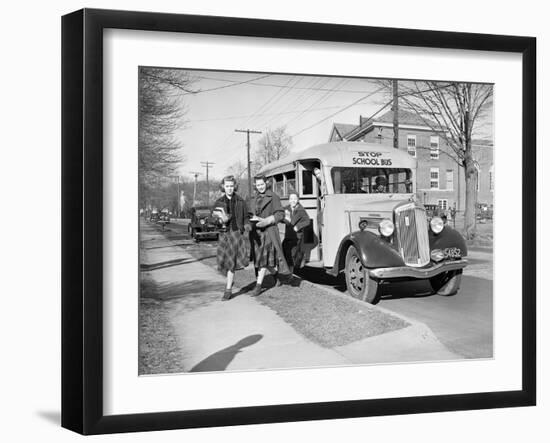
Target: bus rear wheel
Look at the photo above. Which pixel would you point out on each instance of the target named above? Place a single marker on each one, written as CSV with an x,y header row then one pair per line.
x,y
360,285
447,283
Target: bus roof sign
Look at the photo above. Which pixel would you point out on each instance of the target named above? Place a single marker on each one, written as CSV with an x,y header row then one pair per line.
x,y
354,154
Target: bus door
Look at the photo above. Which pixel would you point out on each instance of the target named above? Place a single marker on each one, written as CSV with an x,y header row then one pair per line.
x,y
309,198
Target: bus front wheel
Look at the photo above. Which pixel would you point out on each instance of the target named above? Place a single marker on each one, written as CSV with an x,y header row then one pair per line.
x,y
360,285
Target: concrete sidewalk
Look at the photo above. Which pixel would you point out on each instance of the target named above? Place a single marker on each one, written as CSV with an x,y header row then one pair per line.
x,y
243,334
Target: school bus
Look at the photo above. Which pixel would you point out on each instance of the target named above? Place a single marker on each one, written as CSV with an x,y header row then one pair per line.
x,y
365,219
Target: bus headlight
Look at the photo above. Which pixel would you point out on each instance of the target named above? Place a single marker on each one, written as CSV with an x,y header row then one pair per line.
x,y
436,223
386,227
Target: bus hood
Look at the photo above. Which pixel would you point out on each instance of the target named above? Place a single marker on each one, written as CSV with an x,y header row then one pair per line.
x,y
372,208
381,203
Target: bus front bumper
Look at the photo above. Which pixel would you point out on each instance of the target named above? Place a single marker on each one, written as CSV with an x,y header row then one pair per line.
x,y
407,271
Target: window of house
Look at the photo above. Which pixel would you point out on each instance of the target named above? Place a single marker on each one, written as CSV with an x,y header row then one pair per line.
x,y
478,177
443,204
449,182
434,178
411,145
491,179
434,147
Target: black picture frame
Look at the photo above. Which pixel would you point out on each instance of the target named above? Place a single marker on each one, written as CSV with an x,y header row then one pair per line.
x,y
82,215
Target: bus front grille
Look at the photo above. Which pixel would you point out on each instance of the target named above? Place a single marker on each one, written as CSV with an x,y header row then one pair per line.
x,y
412,235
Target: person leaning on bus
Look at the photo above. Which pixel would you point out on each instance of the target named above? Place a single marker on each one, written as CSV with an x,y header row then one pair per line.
x,y
266,248
232,212
296,220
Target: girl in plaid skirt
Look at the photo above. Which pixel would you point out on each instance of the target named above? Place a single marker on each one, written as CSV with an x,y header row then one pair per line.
x,y
266,249
232,212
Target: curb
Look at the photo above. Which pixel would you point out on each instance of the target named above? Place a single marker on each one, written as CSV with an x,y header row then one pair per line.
x,y
413,343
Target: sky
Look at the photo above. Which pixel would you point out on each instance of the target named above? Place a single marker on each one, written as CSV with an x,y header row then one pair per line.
x,y
307,105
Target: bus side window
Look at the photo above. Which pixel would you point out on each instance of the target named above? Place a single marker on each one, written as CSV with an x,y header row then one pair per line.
x,y
307,182
278,185
290,182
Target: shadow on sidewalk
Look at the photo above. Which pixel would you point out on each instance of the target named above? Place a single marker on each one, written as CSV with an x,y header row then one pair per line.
x,y
169,263
192,291
221,359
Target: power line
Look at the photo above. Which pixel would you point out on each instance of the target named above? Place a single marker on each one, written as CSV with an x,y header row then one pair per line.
x,y
352,91
228,86
342,110
271,101
306,110
324,97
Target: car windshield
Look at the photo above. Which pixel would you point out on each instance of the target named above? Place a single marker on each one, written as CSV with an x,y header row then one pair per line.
x,y
371,180
202,212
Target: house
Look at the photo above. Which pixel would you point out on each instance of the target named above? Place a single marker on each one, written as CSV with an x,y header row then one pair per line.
x,y
440,180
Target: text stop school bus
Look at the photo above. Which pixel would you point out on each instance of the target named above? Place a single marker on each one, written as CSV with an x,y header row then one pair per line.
x,y
365,220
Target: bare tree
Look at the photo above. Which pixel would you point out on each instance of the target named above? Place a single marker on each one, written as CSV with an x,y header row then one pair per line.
x,y
161,113
237,169
455,111
274,145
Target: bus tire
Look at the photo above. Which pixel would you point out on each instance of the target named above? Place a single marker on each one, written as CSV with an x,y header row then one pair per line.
x,y
360,285
447,283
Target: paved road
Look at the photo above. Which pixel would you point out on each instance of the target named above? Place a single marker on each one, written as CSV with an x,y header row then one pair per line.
x,y
464,322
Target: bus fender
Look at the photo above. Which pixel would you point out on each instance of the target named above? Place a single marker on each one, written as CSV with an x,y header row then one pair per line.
x,y
374,251
449,238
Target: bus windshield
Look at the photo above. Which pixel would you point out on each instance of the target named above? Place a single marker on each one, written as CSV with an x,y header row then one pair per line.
x,y
371,180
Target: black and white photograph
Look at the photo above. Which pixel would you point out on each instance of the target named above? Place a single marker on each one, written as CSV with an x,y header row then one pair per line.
x,y
275,221
291,221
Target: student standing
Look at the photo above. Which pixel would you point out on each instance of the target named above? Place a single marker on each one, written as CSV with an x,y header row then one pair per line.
x,y
296,220
266,247
232,254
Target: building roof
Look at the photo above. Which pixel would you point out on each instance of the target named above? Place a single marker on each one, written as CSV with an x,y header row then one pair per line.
x,y
404,118
343,128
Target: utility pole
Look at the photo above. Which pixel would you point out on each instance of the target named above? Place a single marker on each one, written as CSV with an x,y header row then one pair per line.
x,y
179,198
248,132
177,177
195,174
395,109
207,165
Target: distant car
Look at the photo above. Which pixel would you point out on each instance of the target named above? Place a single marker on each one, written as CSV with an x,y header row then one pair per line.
x,y
484,212
203,225
165,217
154,217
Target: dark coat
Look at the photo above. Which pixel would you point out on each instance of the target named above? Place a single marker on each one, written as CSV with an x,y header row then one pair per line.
x,y
264,205
298,219
241,214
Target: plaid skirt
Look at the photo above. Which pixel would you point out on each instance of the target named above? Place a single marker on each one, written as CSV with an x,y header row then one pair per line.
x,y
232,251
264,251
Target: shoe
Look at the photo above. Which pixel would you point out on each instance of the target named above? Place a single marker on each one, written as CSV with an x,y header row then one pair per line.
x,y
284,279
226,295
256,291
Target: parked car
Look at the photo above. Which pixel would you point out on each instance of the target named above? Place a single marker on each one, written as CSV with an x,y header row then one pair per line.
x,y
484,212
203,225
165,217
